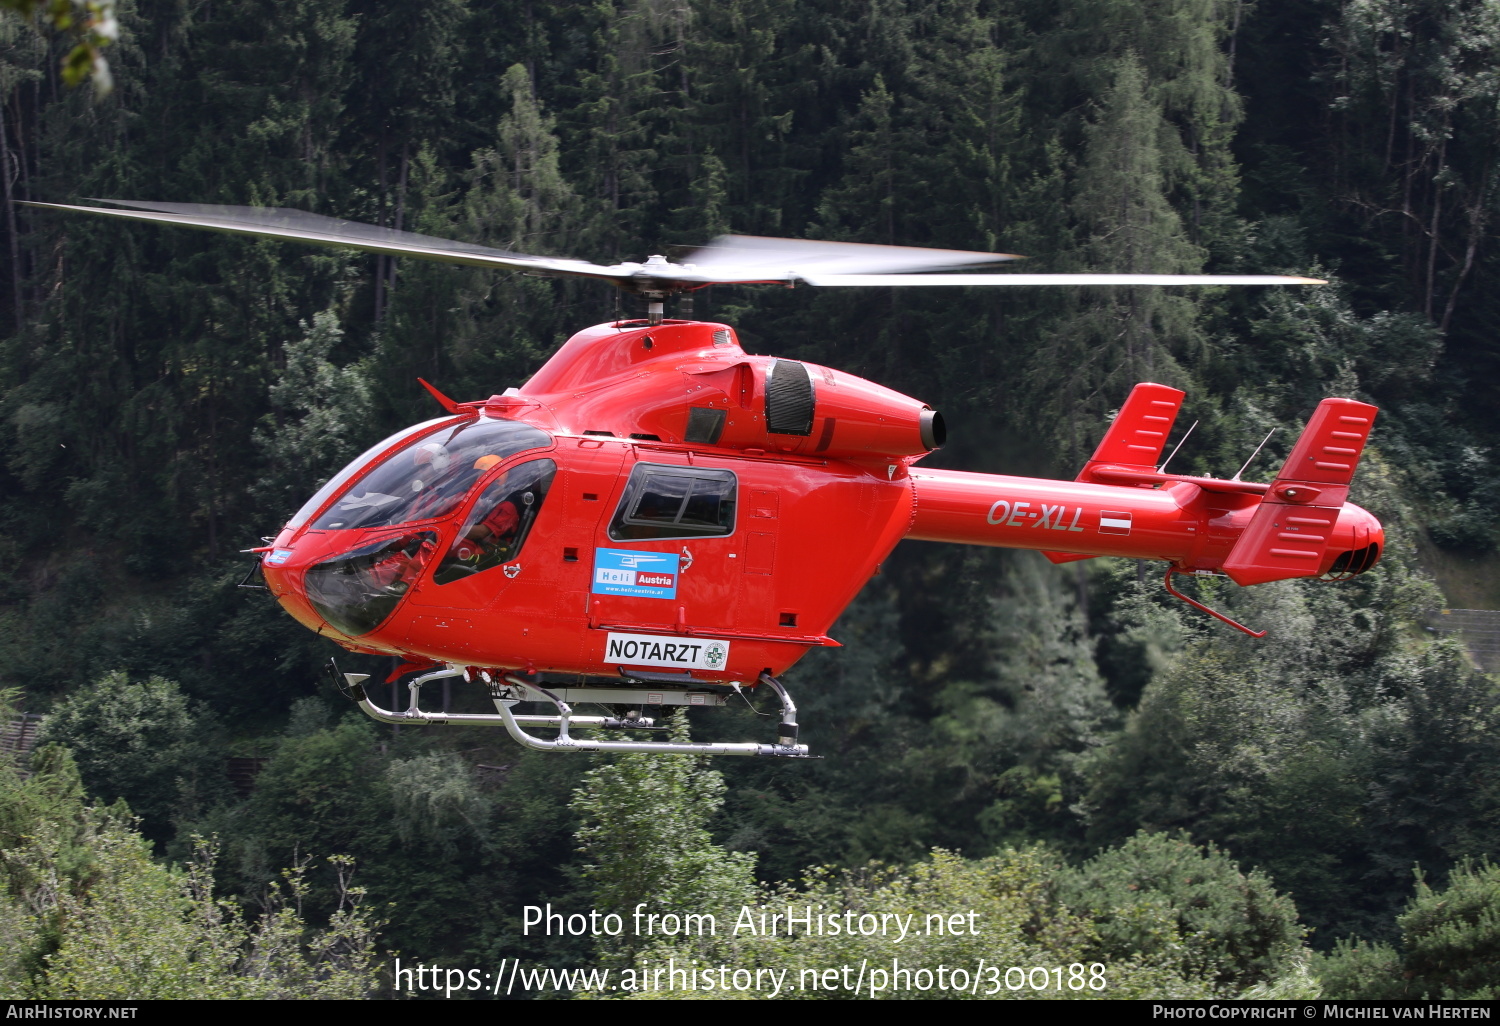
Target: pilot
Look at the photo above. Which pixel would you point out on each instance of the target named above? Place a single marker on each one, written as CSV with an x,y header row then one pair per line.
x,y
432,483
434,455
399,563
497,531
499,528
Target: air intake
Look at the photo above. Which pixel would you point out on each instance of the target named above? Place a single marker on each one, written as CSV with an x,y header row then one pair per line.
x,y
789,399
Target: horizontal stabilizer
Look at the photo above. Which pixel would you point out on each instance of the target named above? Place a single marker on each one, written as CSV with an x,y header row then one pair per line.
x,y
1139,433
1288,536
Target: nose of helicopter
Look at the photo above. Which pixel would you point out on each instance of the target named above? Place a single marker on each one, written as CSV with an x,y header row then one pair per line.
x,y
283,569
1357,542
351,590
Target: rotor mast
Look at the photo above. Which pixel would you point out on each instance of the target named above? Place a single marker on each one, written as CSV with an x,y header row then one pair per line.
x,y
654,283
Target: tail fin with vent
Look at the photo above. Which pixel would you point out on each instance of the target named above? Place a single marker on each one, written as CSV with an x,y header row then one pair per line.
x,y
1134,441
1288,536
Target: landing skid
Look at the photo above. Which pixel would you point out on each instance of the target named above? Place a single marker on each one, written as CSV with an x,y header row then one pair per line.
x,y
508,690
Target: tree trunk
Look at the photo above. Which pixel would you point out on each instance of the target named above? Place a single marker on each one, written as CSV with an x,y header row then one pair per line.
x,y
380,267
10,216
1432,231
400,204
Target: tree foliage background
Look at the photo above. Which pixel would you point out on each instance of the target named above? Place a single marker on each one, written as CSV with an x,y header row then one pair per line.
x,y
167,397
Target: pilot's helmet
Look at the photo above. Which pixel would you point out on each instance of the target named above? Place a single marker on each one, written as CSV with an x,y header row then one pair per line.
x,y
485,462
432,454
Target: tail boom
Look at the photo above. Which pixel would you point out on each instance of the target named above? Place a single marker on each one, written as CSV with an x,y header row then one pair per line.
x,y
1125,504
1186,524
1066,516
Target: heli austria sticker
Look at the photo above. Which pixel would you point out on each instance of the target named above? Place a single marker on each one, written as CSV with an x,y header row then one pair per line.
x,y
278,557
656,650
636,573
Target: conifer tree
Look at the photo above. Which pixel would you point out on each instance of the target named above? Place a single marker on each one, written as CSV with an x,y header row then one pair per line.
x,y
1121,334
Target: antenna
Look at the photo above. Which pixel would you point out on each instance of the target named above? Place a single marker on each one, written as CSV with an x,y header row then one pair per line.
x,y
1184,438
1254,454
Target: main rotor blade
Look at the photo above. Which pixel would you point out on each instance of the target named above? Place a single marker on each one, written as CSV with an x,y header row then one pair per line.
x,y
755,258
300,226
730,259
1058,279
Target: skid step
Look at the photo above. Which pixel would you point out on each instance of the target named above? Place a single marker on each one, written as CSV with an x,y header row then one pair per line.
x,y
655,695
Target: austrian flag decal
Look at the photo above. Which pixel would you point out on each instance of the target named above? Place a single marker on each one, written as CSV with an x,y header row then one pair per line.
x,y
1111,522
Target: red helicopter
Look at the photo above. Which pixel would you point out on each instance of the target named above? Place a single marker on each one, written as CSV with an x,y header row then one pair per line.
x,y
658,518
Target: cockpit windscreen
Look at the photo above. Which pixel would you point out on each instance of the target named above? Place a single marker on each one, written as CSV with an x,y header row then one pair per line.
x,y
430,477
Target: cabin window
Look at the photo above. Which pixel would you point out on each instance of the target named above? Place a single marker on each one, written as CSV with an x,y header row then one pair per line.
x,y
675,502
498,523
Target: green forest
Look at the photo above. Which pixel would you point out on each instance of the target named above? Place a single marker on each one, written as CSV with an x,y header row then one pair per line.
x,y
1107,777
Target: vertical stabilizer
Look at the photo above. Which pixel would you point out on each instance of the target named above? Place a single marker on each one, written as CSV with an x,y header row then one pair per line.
x,y
1135,439
1288,536
1139,433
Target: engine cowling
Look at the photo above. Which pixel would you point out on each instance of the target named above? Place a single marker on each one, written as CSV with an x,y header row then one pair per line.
x,y
840,415
690,382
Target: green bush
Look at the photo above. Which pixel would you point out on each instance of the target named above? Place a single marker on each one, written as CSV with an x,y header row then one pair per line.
x,y
989,923
1358,969
143,742
1450,946
87,914
1452,937
1159,896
